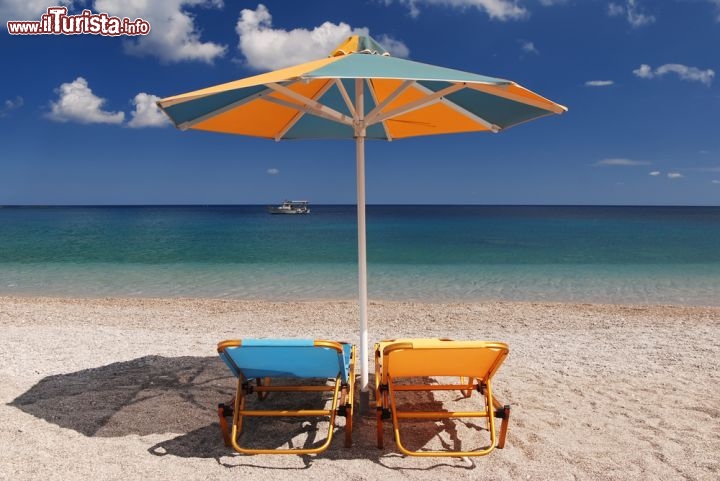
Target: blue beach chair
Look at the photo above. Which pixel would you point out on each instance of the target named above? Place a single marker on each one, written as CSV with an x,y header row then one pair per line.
x,y
255,362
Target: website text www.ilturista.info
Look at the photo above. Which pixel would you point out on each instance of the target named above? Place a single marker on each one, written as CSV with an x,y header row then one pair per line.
x,y
57,22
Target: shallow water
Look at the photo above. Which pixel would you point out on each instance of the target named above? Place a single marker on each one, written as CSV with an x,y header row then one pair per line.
x,y
463,253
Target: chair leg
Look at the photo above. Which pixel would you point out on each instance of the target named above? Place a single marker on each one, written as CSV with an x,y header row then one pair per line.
x,y
262,395
504,426
348,425
238,407
381,406
379,399
350,402
466,393
222,412
380,440
346,411
381,394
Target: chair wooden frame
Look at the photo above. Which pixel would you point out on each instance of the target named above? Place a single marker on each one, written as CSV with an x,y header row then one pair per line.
x,y
473,362
342,390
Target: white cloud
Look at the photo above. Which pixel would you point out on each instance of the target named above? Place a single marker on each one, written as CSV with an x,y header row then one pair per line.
x,y
550,3
599,83
632,12
495,9
690,74
644,71
396,47
147,113
273,171
174,36
655,173
11,104
268,48
615,10
529,47
620,163
674,175
714,181
77,103
637,18
29,9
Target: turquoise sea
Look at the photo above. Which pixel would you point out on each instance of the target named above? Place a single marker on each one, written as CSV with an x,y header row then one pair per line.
x,y
434,253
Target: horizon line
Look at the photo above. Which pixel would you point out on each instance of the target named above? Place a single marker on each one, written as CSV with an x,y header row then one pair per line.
x,y
351,205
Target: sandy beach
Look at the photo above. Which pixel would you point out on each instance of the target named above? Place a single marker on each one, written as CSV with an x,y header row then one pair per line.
x,y
127,389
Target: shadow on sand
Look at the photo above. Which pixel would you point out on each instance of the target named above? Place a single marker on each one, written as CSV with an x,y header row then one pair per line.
x,y
148,395
158,395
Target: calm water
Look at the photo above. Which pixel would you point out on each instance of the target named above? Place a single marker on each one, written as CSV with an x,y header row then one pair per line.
x,y
605,254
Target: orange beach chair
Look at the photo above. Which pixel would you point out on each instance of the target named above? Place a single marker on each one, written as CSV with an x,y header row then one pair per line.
x,y
474,363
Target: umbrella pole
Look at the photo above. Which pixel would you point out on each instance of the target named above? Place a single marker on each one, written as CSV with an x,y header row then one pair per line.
x,y
362,276
362,252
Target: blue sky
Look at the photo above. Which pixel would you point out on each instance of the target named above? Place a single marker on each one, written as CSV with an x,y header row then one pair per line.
x,y
78,123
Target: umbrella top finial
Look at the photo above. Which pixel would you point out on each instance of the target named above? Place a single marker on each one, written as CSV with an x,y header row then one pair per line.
x,y
359,44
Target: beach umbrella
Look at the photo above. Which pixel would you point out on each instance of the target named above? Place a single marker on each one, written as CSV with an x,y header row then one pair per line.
x,y
358,92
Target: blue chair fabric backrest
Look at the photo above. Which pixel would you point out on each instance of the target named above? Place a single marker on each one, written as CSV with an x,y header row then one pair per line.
x,y
298,358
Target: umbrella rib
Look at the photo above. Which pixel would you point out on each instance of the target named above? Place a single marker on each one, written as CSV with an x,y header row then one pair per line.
x,y
191,123
417,104
308,105
378,108
304,108
345,96
462,111
299,115
371,88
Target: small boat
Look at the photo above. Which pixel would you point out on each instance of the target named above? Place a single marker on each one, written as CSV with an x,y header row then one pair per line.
x,y
290,207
